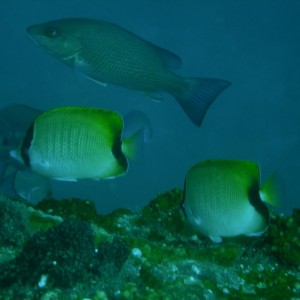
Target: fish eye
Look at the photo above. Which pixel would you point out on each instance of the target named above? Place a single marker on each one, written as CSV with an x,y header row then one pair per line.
x,y
51,32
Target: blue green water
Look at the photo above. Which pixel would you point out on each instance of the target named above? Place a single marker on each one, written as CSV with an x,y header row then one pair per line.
x,y
253,44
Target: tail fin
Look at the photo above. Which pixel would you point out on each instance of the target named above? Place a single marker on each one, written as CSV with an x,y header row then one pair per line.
x,y
197,96
273,190
132,147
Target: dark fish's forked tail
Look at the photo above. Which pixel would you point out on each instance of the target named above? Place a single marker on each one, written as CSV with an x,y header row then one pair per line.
x,y
198,94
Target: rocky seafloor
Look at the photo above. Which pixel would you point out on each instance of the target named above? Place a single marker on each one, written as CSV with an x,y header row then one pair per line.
x,y
66,250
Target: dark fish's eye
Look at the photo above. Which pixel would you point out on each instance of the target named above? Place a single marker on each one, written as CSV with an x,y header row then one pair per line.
x,y
51,32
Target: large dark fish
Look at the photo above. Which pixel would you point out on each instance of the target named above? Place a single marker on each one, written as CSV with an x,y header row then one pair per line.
x,y
107,53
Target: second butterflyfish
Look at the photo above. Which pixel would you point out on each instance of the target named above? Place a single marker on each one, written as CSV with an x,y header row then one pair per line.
x,y
224,198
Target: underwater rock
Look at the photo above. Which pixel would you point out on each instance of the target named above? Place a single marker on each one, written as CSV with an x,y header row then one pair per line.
x,y
149,254
84,210
13,223
58,257
112,256
284,236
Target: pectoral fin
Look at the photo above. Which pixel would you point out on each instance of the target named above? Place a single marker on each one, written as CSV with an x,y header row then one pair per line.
x,y
80,65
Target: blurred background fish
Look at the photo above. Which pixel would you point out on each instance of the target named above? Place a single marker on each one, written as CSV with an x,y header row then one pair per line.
x,y
15,119
26,185
108,53
224,198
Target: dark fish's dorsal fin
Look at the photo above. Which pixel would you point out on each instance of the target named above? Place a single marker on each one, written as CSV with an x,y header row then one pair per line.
x,y
170,60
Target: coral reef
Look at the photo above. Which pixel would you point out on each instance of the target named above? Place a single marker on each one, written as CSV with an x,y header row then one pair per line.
x,y
66,250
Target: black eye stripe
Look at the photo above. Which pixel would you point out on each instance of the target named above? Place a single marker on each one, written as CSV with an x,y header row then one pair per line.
x,y
26,145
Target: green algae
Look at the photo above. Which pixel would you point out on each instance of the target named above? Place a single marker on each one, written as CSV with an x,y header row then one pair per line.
x,y
284,236
164,212
84,210
154,254
118,221
273,283
14,223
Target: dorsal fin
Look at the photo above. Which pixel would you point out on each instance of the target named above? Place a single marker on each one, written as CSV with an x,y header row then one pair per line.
x,y
170,60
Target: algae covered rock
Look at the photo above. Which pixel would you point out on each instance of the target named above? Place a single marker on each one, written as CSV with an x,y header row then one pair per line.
x,y
58,257
162,218
284,236
62,257
84,210
13,223
73,252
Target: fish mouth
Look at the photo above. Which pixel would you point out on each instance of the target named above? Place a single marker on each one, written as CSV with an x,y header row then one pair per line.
x,y
33,33
37,36
31,30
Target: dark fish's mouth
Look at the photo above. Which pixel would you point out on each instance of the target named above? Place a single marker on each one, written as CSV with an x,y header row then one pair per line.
x,y
35,32
36,35
31,30
32,33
